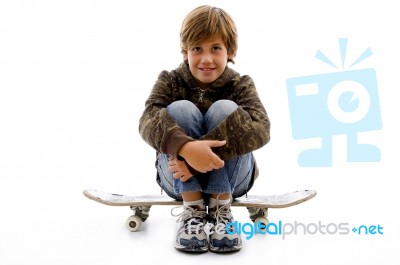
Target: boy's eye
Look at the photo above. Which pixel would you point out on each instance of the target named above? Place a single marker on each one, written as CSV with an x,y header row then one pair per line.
x,y
216,48
196,49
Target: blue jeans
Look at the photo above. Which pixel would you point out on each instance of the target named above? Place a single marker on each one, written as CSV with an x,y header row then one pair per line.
x,y
234,178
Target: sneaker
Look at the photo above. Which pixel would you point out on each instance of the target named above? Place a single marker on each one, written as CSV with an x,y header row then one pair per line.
x,y
223,242
191,236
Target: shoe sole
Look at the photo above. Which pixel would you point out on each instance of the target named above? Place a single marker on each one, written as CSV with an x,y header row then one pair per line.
x,y
191,250
224,250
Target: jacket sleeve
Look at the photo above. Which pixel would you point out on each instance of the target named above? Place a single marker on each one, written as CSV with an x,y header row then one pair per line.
x,y
247,128
156,126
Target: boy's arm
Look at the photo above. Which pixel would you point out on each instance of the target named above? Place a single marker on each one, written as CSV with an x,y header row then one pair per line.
x,y
156,126
247,128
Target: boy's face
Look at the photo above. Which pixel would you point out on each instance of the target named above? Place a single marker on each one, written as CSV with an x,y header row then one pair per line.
x,y
207,60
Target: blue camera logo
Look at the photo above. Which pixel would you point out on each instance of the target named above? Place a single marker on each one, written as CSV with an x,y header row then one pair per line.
x,y
325,105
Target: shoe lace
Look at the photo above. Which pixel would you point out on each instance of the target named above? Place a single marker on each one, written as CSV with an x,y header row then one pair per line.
x,y
191,217
223,214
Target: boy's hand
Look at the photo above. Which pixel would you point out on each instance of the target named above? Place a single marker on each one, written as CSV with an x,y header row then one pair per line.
x,y
179,169
199,155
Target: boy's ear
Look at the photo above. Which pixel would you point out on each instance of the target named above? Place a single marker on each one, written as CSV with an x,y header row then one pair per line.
x,y
231,56
185,56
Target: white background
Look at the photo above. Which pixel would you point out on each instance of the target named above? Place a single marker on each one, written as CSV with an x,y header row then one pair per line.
x,y
74,76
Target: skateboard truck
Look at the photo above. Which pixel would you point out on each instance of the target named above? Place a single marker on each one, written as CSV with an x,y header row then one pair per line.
x,y
140,214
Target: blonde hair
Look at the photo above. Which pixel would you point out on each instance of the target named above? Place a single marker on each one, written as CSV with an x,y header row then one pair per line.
x,y
205,22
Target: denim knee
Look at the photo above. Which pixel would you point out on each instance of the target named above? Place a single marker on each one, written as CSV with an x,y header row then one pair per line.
x,y
218,112
187,116
182,110
223,107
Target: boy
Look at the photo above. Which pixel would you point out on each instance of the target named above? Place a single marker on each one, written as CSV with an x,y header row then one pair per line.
x,y
204,120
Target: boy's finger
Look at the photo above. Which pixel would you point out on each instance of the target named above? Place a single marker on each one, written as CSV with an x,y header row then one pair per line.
x,y
216,143
219,163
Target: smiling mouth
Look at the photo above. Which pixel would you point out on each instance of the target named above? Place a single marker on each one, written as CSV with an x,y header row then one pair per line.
x,y
207,69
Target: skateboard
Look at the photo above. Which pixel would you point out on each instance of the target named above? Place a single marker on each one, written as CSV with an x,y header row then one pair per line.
x,y
140,205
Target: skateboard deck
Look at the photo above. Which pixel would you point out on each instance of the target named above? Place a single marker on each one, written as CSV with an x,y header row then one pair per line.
x,y
257,205
268,201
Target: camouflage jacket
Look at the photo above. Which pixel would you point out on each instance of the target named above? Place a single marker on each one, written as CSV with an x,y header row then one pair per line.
x,y
245,130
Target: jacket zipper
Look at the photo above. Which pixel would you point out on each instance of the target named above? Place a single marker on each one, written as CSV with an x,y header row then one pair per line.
x,y
201,92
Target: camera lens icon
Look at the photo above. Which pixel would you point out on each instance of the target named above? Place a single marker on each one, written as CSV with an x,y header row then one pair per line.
x,y
348,101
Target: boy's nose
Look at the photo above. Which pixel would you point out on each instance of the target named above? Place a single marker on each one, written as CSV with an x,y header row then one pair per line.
x,y
206,58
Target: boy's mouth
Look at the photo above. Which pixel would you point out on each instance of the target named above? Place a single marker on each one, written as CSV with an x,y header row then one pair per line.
x,y
207,69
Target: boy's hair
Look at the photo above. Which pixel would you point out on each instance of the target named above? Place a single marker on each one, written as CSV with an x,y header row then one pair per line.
x,y
206,22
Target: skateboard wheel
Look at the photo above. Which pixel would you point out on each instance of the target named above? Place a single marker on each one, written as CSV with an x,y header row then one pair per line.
x,y
257,213
263,220
133,223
